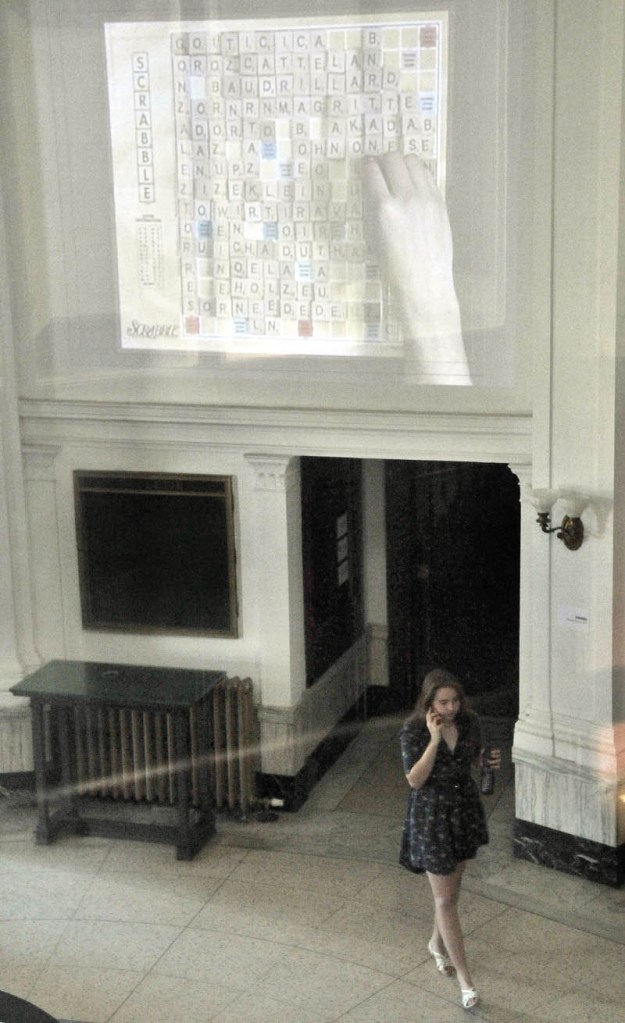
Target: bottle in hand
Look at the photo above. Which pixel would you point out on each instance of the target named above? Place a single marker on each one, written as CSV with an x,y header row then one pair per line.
x,y
487,775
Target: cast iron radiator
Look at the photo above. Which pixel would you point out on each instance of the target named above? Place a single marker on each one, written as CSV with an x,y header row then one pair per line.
x,y
124,754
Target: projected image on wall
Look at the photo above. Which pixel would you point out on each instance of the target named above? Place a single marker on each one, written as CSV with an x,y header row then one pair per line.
x,y
278,188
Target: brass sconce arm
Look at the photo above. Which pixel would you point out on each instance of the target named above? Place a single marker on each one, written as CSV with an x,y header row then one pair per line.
x,y
571,529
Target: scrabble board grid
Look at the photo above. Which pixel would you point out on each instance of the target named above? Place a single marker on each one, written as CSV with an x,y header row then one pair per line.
x,y
241,226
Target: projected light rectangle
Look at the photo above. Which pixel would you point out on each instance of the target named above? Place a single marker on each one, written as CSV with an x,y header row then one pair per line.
x,y
237,156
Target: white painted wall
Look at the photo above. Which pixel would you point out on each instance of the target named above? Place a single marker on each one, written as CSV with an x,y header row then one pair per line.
x,y
570,757
565,417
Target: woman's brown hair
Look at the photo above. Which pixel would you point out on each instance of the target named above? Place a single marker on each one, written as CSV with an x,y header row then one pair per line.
x,y
433,681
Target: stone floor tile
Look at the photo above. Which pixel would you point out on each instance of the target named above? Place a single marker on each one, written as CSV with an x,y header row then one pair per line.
x,y
230,959
259,1008
307,873
73,856
19,979
584,1005
172,901
159,999
550,887
559,963
364,950
27,942
320,983
41,895
216,859
307,920
83,993
399,1001
129,946
287,898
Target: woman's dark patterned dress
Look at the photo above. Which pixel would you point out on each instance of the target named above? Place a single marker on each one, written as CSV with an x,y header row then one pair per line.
x,y
445,821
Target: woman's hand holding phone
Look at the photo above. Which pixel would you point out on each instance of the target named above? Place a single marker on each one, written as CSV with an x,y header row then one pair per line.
x,y
434,723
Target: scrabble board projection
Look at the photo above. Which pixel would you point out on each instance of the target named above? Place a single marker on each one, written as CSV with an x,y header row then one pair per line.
x,y
237,157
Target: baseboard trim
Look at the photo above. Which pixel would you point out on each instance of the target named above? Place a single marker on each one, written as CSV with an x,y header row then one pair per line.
x,y
17,781
569,853
293,790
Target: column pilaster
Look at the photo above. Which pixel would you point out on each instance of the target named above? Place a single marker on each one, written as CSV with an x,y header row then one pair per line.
x,y
18,654
279,577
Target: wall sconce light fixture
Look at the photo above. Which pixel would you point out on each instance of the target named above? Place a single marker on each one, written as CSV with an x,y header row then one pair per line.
x,y
571,529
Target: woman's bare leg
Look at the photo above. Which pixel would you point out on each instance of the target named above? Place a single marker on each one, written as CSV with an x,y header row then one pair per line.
x,y
447,931
437,942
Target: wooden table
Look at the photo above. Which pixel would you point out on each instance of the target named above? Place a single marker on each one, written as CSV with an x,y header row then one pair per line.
x,y
77,707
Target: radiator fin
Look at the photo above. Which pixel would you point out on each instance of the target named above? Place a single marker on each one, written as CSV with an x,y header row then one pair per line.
x,y
131,754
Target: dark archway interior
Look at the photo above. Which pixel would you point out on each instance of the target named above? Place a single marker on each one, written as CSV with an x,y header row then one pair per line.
x,y
453,557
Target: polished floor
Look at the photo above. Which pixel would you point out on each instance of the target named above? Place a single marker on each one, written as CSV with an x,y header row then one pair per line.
x,y
307,919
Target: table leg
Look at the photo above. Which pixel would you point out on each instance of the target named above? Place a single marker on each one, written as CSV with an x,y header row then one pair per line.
x,y
42,831
204,746
183,783
68,779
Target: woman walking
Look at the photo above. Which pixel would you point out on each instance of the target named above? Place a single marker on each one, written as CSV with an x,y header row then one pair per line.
x,y
445,821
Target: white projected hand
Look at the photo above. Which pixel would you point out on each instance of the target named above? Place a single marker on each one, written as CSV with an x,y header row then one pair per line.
x,y
410,235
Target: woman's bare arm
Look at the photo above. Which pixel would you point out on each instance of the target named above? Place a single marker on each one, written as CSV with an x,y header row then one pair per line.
x,y
422,769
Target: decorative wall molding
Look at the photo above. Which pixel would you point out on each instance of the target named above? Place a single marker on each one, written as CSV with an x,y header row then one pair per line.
x,y
273,473
32,408
362,434
39,461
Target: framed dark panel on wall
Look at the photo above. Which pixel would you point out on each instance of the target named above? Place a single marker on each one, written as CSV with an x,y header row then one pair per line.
x,y
156,552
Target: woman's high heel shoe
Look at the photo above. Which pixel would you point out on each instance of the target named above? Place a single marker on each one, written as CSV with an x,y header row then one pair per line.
x,y
444,964
470,997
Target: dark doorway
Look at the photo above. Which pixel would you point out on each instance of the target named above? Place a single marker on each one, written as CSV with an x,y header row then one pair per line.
x,y
453,554
332,559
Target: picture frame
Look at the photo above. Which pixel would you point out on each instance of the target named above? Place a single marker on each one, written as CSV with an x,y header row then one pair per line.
x,y
156,552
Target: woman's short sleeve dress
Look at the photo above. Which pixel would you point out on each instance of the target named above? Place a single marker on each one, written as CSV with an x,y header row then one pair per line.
x,y
445,820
